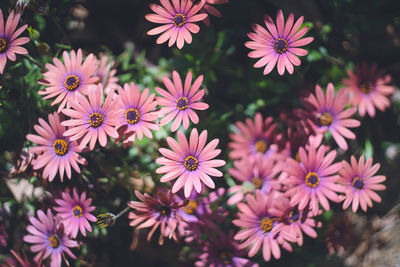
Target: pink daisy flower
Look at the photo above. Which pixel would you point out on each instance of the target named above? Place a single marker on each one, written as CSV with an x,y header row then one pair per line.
x,y
180,101
91,119
210,9
328,113
9,43
369,88
313,179
134,112
48,238
75,213
178,20
254,138
55,152
279,43
360,183
67,80
190,163
106,74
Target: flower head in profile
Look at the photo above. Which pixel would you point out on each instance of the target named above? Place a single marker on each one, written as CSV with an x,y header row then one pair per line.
x,y
106,74
75,213
55,152
210,9
181,100
49,238
369,88
191,163
92,120
279,44
328,113
178,21
360,183
67,80
10,44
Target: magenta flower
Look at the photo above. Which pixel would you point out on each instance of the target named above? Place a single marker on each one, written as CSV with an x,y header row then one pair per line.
x,y
360,183
67,80
106,74
180,101
134,112
254,138
279,43
177,19
328,113
55,152
369,89
49,238
190,163
313,179
154,212
91,119
75,213
9,43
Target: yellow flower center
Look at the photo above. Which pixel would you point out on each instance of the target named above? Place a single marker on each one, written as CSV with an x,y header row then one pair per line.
x,y
96,119
312,179
257,182
366,88
132,116
280,46
325,119
3,45
294,216
266,224
71,82
182,103
191,163
54,241
358,183
77,211
261,146
179,20
191,207
60,146
226,257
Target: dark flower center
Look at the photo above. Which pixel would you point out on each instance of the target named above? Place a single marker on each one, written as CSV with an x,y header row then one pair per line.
x,y
312,179
164,210
266,224
325,119
60,146
225,257
280,46
294,216
366,87
132,116
257,182
54,241
358,183
191,207
261,146
77,211
3,45
182,103
96,119
179,20
71,82
191,163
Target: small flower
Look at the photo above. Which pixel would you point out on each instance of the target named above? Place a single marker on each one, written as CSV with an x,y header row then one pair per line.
x,y
360,183
279,44
67,80
180,101
49,238
75,213
177,19
369,88
190,163
91,119
9,43
106,74
55,152
210,9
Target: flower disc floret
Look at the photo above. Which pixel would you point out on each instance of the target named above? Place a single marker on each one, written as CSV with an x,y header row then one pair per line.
x,y
60,146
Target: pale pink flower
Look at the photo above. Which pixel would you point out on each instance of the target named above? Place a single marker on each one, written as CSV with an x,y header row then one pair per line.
x,y
106,74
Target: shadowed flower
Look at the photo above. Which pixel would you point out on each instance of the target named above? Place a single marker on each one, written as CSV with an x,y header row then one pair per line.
x,y
360,183
49,238
180,101
190,163
106,74
9,43
92,120
20,261
279,43
178,20
67,80
75,213
55,152
369,89
210,9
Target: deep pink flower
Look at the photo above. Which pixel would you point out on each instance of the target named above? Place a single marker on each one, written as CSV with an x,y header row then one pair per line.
x,y
360,183
106,74
9,43
75,213
328,113
67,80
178,20
313,180
279,44
210,9
180,101
92,120
369,89
190,163
48,236
55,152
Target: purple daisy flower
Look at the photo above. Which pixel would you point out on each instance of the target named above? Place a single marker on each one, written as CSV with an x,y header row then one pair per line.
x,y
279,44
48,238
75,213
